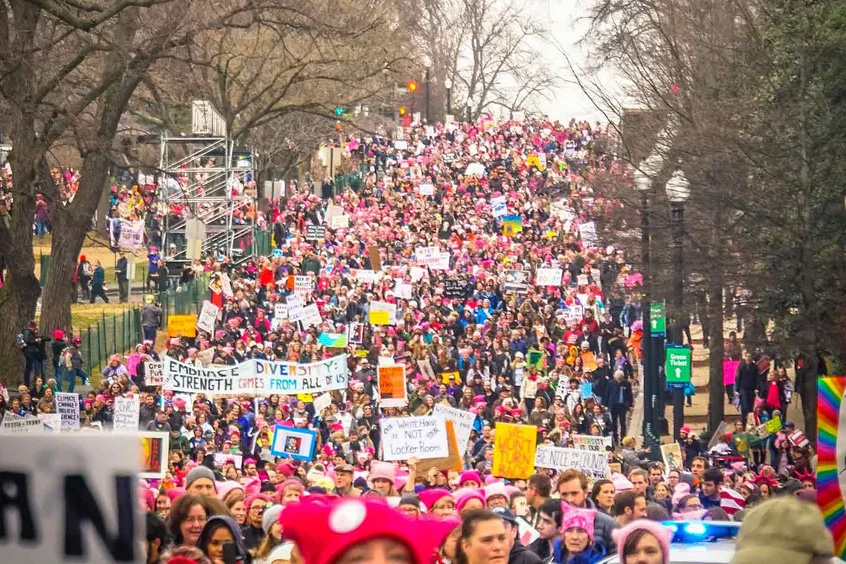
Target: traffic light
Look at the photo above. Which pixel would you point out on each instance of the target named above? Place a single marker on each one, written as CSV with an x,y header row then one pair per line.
x,y
402,111
411,86
339,111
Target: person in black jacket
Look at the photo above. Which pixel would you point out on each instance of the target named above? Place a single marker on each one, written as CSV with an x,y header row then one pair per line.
x,y
619,399
747,386
518,554
121,271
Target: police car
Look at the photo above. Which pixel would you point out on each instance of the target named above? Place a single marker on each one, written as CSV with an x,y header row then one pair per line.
x,y
698,542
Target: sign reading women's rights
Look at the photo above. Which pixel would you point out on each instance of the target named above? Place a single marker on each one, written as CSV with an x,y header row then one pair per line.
x,y
257,377
413,437
592,464
70,498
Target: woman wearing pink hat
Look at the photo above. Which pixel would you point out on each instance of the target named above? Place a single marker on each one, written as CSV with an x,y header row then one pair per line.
x,y
577,543
643,542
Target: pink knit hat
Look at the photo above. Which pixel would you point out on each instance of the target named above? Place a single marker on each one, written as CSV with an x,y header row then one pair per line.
x,y
224,488
431,496
657,530
577,518
383,470
465,495
469,475
621,483
682,489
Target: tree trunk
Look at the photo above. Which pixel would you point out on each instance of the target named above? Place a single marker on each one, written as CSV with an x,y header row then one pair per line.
x,y
19,295
716,353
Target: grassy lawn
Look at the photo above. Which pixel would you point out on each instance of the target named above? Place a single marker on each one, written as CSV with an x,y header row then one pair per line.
x,y
96,247
83,315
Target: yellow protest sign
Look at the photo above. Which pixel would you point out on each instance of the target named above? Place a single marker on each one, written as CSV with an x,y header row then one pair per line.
x,y
307,398
446,375
773,425
185,325
514,450
380,317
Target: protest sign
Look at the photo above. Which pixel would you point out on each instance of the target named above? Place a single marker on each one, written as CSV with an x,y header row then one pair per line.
x,y
127,413
462,421
365,276
514,449
375,257
280,314
154,453
153,373
516,281
333,340
525,532
498,206
340,222
426,189
730,368
126,234
221,459
672,455
592,464
303,285
257,377
355,333
52,421
512,224
591,442
321,402
392,388
17,425
382,313
831,449
549,277
773,425
427,256
588,232
67,406
184,325
70,499
208,315
457,288
453,461
294,443
315,232
413,437
574,314
443,261
402,290
311,316
455,375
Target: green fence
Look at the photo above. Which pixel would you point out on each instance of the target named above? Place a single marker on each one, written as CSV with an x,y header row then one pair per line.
x,y
264,245
112,334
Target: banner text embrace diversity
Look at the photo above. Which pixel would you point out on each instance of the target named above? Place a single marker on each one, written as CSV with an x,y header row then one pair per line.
x,y
257,377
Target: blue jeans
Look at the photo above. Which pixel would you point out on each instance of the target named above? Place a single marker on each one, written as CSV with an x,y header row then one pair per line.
x,y
59,374
72,374
40,228
32,365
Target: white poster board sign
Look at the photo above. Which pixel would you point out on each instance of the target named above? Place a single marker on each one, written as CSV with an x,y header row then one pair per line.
x,y
549,277
413,437
67,406
153,373
462,422
592,464
127,413
207,317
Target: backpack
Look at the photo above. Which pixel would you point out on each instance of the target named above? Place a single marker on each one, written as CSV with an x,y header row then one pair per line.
x,y
19,341
87,269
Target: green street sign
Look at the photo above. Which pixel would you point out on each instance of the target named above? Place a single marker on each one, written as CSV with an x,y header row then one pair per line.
x,y
657,318
677,365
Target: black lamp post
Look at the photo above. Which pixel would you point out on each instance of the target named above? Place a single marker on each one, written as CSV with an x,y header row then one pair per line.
x,y
469,109
678,191
448,86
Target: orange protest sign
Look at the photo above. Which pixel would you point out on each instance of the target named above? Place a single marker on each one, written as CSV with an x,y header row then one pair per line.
x,y
185,325
514,450
451,462
392,385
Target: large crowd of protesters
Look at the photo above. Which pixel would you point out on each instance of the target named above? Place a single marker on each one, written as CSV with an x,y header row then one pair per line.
x,y
562,358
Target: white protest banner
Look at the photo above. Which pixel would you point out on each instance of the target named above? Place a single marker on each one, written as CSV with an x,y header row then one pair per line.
x,y
130,235
52,421
462,422
426,189
311,316
413,437
321,402
592,464
17,425
442,263
590,442
549,277
339,222
427,256
67,406
71,499
153,373
367,276
588,232
574,313
207,317
498,207
127,413
221,459
303,285
382,313
257,377
402,290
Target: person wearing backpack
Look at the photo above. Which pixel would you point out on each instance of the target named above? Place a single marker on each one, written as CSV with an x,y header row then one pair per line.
x,y
31,346
72,359
84,272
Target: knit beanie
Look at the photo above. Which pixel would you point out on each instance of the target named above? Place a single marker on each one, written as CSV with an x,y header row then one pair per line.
x,y
657,530
198,472
271,516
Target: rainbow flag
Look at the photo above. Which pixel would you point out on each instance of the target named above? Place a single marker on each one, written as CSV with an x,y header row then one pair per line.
x,y
829,469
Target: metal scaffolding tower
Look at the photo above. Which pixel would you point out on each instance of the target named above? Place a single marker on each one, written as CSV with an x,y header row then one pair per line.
x,y
205,192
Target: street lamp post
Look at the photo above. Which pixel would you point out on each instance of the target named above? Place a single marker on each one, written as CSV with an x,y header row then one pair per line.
x,y
678,191
469,109
651,389
428,89
448,86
